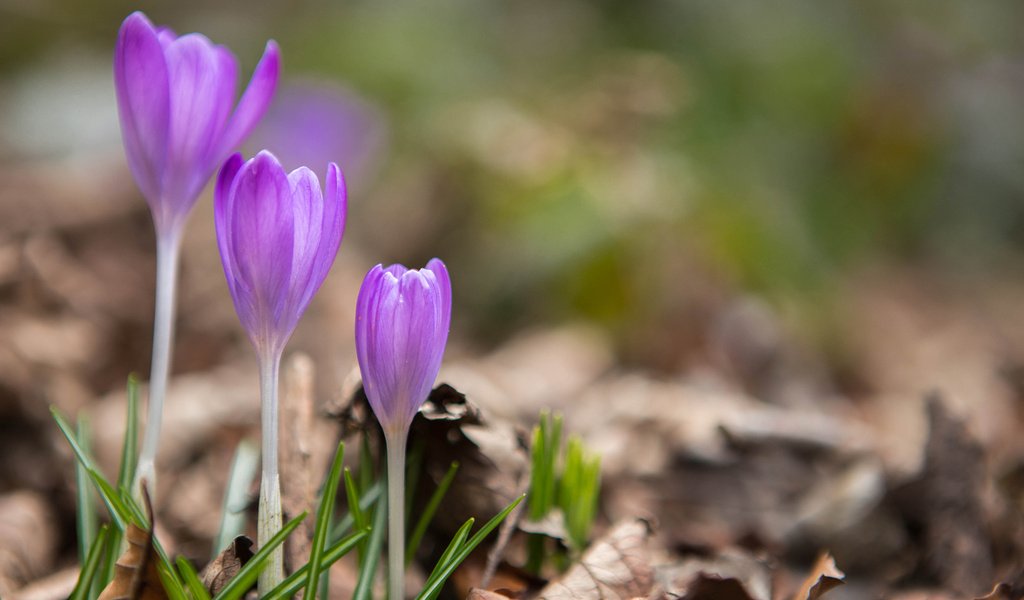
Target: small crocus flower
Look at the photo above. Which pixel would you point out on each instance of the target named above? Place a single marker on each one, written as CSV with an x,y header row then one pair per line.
x,y
176,101
278,235
402,321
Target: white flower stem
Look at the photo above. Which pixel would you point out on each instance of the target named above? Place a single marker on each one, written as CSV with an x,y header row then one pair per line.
x,y
168,250
396,513
269,519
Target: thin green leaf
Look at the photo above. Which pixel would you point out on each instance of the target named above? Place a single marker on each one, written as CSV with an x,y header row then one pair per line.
x,y
429,511
449,552
129,449
365,503
294,582
368,567
247,575
69,435
85,517
191,578
243,470
366,470
111,554
431,590
90,566
323,522
119,514
352,495
172,585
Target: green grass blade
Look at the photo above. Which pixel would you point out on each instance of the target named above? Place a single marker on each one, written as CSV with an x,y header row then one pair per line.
x,y
323,522
368,567
191,578
294,582
366,471
352,495
365,503
172,585
130,447
429,511
243,469
69,434
247,576
431,590
111,554
85,517
90,566
449,552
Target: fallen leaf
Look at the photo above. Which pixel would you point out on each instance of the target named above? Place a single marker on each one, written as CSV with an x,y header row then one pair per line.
x,y
228,563
731,575
616,566
135,574
957,547
824,577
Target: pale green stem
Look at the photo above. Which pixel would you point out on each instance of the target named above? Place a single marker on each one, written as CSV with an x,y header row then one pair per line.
x,y
168,250
395,442
269,518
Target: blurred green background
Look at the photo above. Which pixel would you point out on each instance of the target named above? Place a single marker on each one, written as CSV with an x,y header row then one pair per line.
x,y
632,163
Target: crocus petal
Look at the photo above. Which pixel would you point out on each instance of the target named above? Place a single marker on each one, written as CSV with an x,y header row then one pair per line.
x,y
202,84
271,232
402,319
222,206
332,226
261,220
254,102
141,81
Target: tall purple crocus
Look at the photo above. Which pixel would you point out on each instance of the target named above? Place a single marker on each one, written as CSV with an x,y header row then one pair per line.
x,y
176,101
278,235
402,322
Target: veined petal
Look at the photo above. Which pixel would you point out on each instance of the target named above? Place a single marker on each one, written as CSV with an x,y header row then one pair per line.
x,y
332,229
202,88
308,204
253,104
222,209
262,223
402,319
141,82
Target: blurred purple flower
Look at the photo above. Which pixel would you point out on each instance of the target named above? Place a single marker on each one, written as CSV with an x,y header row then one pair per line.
x,y
278,235
175,97
402,321
313,122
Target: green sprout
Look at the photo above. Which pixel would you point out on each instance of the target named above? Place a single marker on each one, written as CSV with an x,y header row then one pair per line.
x,y
573,491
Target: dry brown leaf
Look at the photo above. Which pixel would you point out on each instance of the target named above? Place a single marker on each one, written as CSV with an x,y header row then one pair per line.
x,y
732,574
228,563
616,566
1004,591
958,549
479,594
824,577
28,539
135,575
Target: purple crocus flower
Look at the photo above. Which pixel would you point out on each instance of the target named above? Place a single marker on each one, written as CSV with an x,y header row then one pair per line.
x,y
278,235
175,97
176,101
402,321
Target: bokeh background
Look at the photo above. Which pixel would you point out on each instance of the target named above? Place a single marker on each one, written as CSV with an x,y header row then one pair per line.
x,y
812,201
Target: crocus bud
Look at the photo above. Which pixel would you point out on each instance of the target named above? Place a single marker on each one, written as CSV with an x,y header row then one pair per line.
x,y
402,321
278,235
175,97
